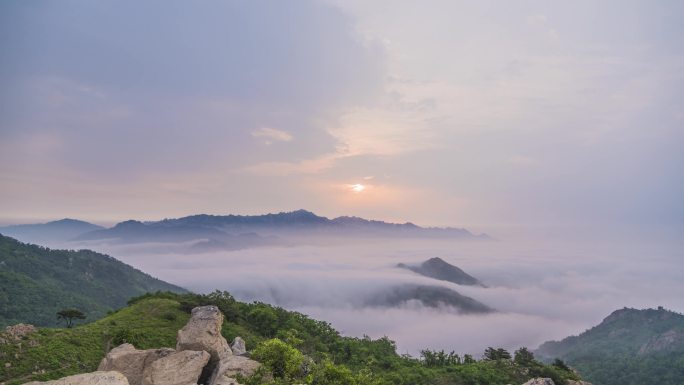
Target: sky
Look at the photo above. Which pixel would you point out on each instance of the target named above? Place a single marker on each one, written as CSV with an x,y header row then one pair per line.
x,y
474,113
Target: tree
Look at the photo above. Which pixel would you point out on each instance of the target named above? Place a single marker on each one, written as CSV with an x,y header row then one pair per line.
x,y
560,364
492,354
523,357
69,315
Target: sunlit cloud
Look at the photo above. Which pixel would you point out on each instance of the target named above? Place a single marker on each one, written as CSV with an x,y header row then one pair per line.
x,y
271,134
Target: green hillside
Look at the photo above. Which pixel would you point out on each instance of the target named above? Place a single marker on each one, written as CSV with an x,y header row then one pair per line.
x,y
37,282
152,321
630,347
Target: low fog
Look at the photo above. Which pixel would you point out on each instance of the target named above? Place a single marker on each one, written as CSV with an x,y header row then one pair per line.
x,y
540,291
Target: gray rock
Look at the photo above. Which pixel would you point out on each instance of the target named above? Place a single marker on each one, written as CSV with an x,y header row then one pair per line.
x,y
573,382
203,332
540,381
180,368
230,367
238,346
95,378
131,362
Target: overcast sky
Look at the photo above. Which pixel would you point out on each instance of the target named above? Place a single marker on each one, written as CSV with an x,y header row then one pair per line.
x,y
446,112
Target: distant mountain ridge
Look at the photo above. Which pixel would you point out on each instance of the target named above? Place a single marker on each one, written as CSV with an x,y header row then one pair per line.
x,y
300,221
54,231
36,282
629,347
439,269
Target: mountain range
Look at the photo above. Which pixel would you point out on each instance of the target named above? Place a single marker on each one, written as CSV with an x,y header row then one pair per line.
x,y
228,232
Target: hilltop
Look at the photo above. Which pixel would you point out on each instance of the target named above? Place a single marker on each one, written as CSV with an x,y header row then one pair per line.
x,y
36,282
320,354
629,347
439,269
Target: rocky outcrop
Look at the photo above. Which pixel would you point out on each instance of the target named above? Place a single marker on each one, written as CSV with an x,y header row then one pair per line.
x,y
238,346
202,356
16,332
662,342
95,378
131,362
179,368
230,367
540,381
203,332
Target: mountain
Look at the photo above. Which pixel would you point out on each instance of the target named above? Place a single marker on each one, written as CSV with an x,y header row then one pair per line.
x,y
630,347
437,268
37,282
430,296
301,222
55,231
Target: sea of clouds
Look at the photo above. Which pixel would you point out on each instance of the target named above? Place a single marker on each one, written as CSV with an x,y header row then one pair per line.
x,y
542,291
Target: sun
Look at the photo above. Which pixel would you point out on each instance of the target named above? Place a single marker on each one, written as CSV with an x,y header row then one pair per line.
x,y
358,188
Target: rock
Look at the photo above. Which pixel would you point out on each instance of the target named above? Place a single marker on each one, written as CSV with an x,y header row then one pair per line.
x,y
179,368
573,382
238,346
227,381
95,378
230,367
540,381
20,330
203,332
131,362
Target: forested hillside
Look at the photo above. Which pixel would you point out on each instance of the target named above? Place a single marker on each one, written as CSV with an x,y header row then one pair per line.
x,y
37,282
630,347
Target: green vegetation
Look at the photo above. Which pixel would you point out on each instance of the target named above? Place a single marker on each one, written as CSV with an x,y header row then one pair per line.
x,y
37,282
630,347
52,353
293,347
69,315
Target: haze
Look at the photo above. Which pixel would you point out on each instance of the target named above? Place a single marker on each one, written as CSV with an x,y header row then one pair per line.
x,y
555,127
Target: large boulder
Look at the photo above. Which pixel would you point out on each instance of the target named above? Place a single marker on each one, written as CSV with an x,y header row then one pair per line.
x,y
131,362
180,368
95,378
238,346
203,332
229,368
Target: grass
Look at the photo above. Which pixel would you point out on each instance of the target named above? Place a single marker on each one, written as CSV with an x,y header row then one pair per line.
x,y
53,353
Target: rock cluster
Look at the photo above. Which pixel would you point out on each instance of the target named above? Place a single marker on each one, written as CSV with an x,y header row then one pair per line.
x,y
16,332
202,356
548,381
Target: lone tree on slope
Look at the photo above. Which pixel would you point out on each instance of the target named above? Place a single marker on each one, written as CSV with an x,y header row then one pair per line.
x,y
69,315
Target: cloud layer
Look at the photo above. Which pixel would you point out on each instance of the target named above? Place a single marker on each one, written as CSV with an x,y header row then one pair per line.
x,y
542,291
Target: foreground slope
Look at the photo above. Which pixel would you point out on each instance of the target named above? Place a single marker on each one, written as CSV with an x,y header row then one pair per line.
x,y
630,347
37,282
152,321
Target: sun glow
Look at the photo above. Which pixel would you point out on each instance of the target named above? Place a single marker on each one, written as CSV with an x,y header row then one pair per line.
x,y
358,188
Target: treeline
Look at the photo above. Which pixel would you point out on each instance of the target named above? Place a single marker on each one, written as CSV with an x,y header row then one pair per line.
x,y
297,349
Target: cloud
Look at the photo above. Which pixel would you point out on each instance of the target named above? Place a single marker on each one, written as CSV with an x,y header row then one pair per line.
x,y
271,134
542,290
